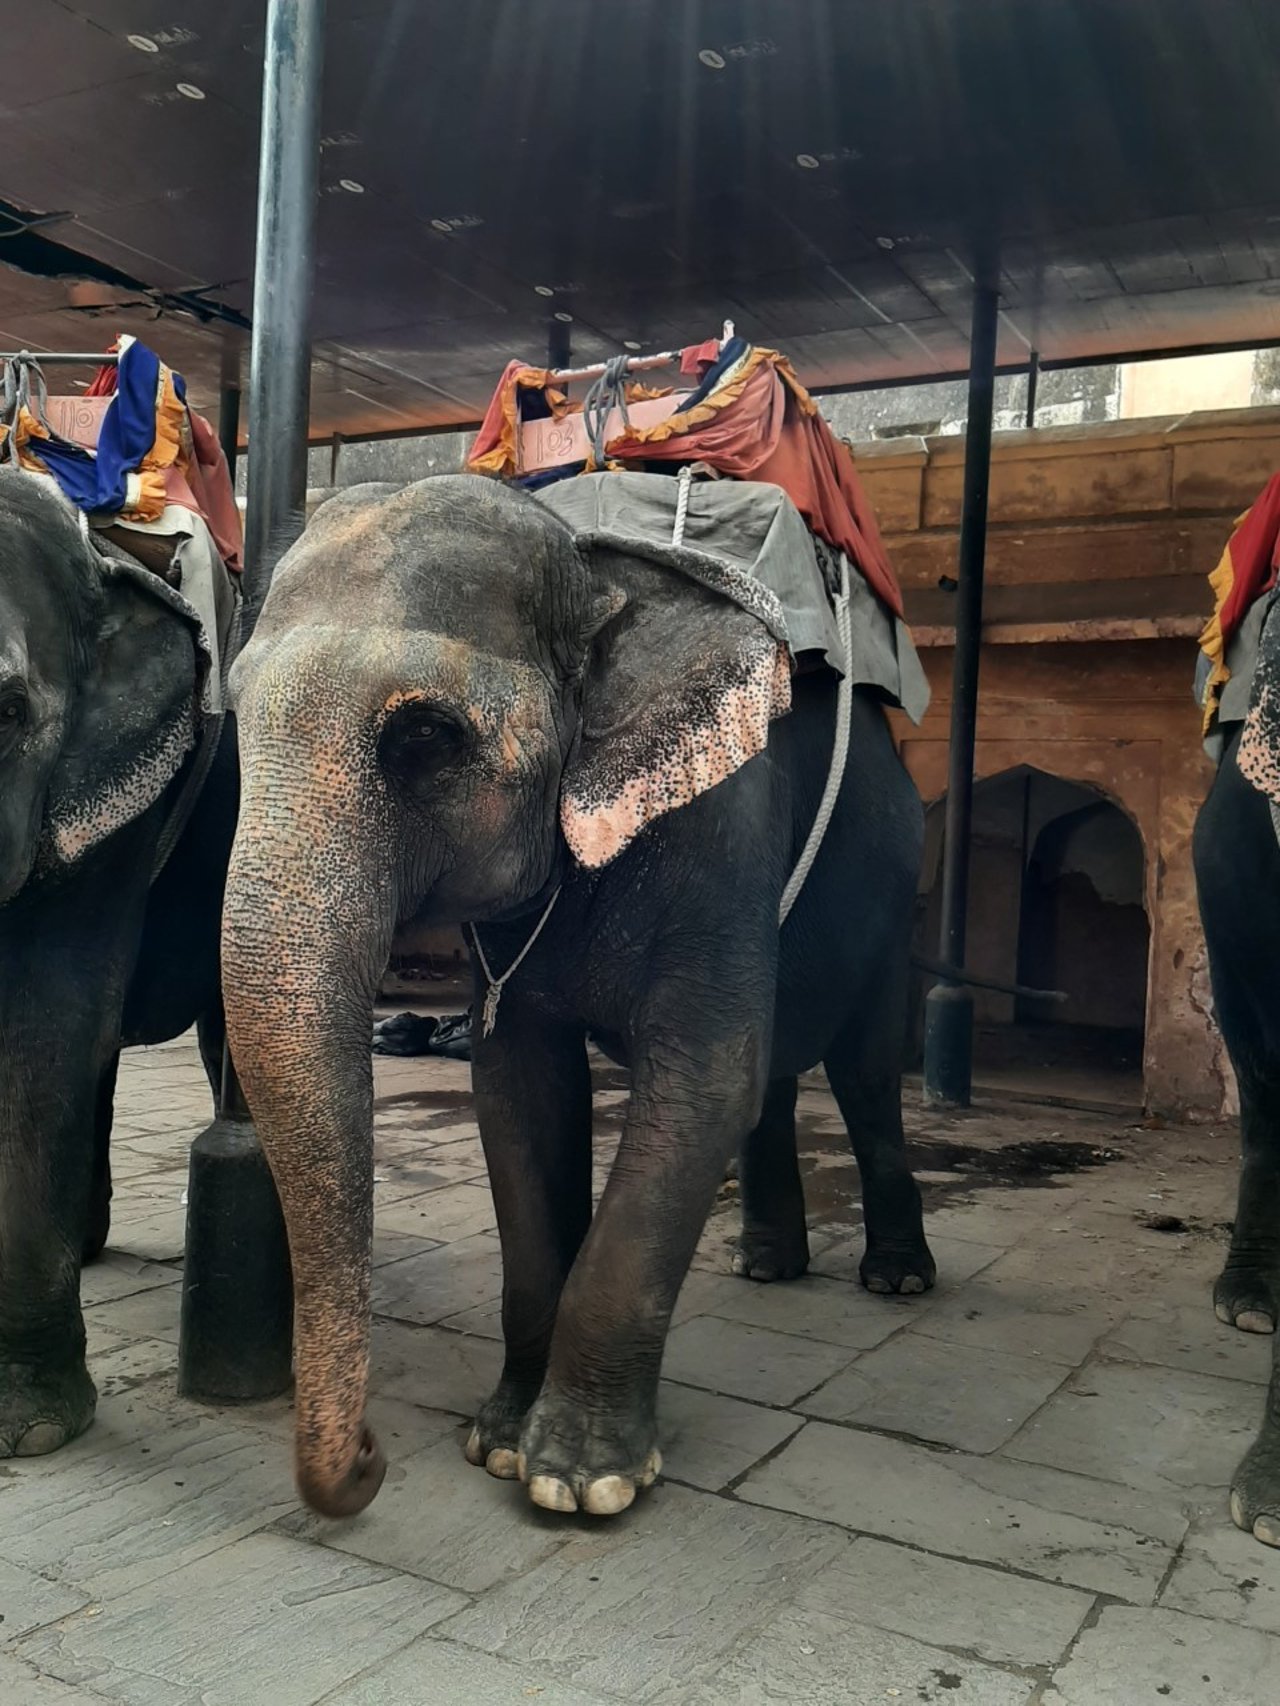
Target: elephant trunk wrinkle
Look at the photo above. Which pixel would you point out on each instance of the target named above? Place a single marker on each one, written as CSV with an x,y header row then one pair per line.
x,y
307,928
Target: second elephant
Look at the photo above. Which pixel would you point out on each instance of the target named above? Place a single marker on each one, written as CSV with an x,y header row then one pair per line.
x,y
451,711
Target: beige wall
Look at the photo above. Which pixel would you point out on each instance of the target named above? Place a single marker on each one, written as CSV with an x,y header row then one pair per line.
x,y
1186,383
1140,512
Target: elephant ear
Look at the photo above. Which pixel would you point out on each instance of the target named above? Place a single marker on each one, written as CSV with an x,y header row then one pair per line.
x,y
679,692
134,721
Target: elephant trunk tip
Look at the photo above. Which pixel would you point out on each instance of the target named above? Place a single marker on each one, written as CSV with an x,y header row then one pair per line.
x,y
352,1492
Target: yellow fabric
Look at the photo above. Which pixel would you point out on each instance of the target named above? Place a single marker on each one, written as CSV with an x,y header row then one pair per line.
x,y
172,442
502,460
171,446
1212,642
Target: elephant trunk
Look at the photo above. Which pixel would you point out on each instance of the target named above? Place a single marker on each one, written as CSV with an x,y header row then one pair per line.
x,y
307,928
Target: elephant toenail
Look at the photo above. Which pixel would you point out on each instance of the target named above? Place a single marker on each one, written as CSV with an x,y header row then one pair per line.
x,y
1223,1312
473,1451
1255,1321
1238,1514
552,1494
40,1439
608,1496
502,1463
652,1469
912,1286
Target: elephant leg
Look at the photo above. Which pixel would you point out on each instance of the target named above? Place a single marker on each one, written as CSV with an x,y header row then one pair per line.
x,y
99,1221
863,1071
1237,862
533,1099
774,1244
1247,1292
1255,1486
67,952
590,1440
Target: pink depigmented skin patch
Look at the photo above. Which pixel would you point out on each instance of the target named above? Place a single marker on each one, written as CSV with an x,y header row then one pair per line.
x,y
1258,755
705,752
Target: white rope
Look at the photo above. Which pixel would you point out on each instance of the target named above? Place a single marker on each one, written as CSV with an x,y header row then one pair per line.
x,y
495,985
839,751
684,480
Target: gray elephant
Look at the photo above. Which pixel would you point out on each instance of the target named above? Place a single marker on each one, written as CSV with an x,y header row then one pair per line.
x,y
103,684
452,711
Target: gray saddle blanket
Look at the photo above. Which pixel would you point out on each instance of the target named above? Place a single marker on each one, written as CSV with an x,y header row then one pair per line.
x,y
747,540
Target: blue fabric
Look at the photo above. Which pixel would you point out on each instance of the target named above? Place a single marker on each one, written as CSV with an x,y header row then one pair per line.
x,y
548,476
97,484
733,351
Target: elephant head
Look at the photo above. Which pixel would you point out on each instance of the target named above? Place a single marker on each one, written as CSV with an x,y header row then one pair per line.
x,y
446,701
97,687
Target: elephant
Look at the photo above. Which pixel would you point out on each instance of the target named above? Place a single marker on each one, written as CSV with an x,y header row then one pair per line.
x,y
1237,866
454,710
100,728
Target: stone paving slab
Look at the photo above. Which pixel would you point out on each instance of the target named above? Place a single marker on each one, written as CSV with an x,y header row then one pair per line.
x,y
1156,1429
1178,1336
441,1282
443,1519
749,1362
434,1672
785,1559
1222,1573
682,1581
1001,1618
21,1684
147,1491
28,1600
1137,1656
821,1660
954,1395
1038,1521
809,1308
267,1620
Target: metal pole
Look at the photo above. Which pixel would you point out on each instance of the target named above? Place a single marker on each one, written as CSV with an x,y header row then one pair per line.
x,y
1033,386
237,1297
948,1042
229,427
559,343
280,356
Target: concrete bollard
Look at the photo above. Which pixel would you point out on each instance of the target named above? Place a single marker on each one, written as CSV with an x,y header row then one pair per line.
x,y
236,1338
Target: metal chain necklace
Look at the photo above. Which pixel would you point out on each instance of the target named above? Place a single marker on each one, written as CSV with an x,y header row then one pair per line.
x,y
495,985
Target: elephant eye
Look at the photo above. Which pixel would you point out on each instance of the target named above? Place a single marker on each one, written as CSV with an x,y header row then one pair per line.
x,y
13,716
420,737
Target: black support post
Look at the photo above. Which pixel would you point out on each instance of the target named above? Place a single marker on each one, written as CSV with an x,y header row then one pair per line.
x,y
284,262
1033,387
229,426
237,1296
948,1038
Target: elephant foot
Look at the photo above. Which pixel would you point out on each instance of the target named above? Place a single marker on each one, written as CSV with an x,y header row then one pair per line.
x,y
42,1410
1255,1487
494,1441
1246,1295
772,1254
97,1231
898,1269
571,1459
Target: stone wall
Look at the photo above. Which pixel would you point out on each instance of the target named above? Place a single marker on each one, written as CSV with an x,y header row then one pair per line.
x,y
1099,542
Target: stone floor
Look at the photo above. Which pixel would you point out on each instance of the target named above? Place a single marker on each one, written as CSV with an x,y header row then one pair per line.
x,y
1012,1490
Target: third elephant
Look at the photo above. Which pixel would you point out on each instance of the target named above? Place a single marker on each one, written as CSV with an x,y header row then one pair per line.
x,y
455,709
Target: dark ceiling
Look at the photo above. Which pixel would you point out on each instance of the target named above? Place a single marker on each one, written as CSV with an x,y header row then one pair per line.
x,y
821,171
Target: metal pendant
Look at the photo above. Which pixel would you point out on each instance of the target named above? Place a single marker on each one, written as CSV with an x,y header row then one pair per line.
x,y
489,1017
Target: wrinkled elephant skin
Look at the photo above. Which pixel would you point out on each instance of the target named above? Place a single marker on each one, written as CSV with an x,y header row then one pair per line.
x,y
442,687
1237,860
97,686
